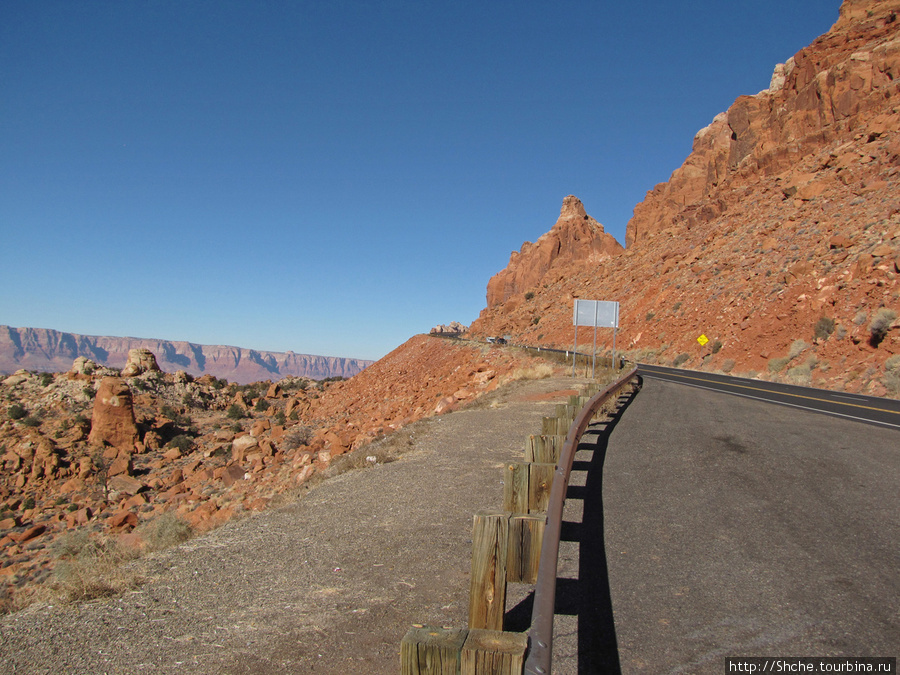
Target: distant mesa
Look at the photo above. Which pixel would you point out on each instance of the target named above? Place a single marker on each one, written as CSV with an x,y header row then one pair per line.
x,y
49,350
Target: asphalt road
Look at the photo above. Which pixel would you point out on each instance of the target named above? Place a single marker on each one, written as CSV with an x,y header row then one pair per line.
x,y
870,409
709,525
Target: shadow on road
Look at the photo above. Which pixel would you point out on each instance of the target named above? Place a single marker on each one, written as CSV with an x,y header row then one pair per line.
x,y
588,596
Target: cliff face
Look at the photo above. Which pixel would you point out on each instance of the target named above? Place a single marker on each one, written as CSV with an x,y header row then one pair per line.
x,y
843,84
575,237
50,350
778,238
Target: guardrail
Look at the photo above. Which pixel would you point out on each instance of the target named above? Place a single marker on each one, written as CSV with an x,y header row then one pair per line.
x,y
540,636
519,543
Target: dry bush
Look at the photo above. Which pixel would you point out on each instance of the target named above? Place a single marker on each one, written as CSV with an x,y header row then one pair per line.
x,y
89,568
799,374
777,364
881,324
165,531
797,348
540,371
297,436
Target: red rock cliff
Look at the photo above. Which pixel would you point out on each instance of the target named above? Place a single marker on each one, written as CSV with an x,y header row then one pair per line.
x,y
575,237
842,84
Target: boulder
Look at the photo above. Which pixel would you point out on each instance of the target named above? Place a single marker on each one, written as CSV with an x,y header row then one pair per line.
x,y
83,366
139,361
112,421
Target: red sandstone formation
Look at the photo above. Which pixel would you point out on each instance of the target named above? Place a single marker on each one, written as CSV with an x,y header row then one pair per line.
x,y
778,238
112,420
575,237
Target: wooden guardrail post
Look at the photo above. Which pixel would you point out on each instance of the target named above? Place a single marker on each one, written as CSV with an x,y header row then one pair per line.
x,y
526,486
526,532
487,592
543,449
554,426
515,487
540,479
426,650
493,652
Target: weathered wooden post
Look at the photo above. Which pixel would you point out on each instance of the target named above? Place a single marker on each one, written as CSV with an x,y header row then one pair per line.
x,y
489,652
426,650
487,592
543,449
526,532
540,478
515,487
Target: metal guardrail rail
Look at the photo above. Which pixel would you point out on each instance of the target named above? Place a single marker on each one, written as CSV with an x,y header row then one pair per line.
x,y
540,635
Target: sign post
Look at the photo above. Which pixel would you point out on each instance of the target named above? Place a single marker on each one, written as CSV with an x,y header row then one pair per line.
x,y
596,313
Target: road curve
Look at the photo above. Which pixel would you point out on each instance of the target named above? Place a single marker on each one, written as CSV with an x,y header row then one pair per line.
x,y
733,527
869,409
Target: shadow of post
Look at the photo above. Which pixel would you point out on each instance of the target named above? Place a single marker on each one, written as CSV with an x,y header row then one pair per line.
x,y
587,597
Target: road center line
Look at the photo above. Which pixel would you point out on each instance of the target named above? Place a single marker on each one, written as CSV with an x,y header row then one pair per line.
x,y
766,391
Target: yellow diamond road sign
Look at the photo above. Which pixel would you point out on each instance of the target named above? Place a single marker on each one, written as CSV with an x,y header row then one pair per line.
x,y
702,340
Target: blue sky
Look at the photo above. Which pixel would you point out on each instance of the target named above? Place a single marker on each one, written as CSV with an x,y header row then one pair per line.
x,y
332,177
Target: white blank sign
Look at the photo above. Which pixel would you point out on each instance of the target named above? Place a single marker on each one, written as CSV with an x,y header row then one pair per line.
x,y
597,313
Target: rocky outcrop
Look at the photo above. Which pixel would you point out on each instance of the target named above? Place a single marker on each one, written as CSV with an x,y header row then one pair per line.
x,y
453,328
200,458
112,420
54,351
843,84
778,238
575,237
140,361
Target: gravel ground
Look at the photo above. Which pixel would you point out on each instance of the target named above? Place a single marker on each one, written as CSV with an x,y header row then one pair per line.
x,y
327,584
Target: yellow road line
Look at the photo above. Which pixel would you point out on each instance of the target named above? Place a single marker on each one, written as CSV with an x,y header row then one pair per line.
x,y
781,393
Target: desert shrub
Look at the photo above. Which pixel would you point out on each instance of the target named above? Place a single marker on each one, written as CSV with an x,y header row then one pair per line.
x,y
235,412
261,405
824,328
28,503
88,568
681,358
219,384
182,441
860,318
537,372
16,411
778,363
893,363
881,324
529,295
799,374
32,421
46,379
649,316
716,346
536,320
676,306
727,365
279,417
165,531
797,348
297,436
841,332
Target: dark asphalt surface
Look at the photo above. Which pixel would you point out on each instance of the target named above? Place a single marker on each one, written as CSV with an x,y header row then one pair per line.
x,y
708,525
870,409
